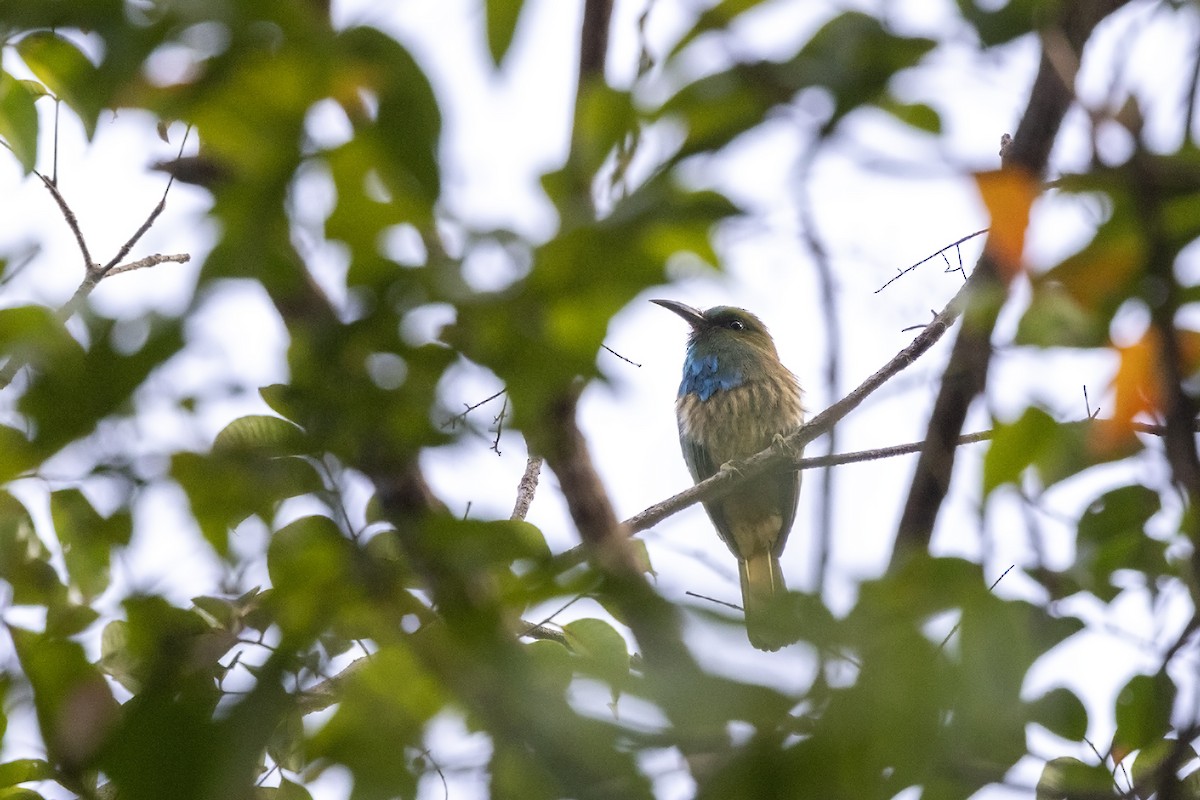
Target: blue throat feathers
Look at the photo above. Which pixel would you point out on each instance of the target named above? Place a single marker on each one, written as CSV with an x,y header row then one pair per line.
x,y
704,377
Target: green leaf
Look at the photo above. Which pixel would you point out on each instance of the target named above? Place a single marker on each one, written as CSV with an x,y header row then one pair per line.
x,y
553,664
1106,271
714,18
1056,319
502,16
1066,778
920,116
226,488
385,706
17,793
66,71
222,611
602,651
291,791
75,708
281,398
24,558
1150,760
261,434
1000,23
853,57
1143,711
990,718
34,335
19,120
69,619
1056,450
162,646
1111,536
115,658
17,454
408,122
24,770
1014,447
310,564
286,748
74,389
604,117
87,539
1062,713
922,587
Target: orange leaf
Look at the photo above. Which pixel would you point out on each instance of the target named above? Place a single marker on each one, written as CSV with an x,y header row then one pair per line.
x,y
1008,195
1137,389
1100,275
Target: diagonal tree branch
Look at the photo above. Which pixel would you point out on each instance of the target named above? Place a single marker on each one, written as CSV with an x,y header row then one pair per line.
x,y
784,454
966,372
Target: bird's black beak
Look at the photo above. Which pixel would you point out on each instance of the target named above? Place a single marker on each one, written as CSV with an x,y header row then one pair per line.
x,y
694,316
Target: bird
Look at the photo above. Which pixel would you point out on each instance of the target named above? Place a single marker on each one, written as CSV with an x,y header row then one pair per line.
x,y
736,398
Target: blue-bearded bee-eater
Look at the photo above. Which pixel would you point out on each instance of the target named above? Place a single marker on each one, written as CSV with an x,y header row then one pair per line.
x,y
736,397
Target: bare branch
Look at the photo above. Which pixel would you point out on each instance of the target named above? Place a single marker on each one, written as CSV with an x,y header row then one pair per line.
x,y
593,41
623,358
450,423
527,487
537,630
150,261
566,451
499,421
966,372
784,452
958,243
72,222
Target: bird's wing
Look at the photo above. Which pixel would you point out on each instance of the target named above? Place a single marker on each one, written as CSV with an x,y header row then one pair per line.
x,y
700,464
789,493
697,458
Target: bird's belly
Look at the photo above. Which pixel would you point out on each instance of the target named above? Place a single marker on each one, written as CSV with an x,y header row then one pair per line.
x,y
732,425
740,422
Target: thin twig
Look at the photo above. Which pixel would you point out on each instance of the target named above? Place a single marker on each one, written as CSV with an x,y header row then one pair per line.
x,y
781,453
958,624
72,221
618,355
450,423
499,420
734,606
901,273
151,261
530,627
965,374
1181,640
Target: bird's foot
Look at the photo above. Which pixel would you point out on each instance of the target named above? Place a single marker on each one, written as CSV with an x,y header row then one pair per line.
x,y
734,466
780,444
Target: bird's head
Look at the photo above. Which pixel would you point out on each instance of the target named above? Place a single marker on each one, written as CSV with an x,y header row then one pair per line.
x,y
723,328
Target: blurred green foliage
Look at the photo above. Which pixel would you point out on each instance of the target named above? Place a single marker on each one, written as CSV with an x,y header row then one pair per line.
x,y
418,617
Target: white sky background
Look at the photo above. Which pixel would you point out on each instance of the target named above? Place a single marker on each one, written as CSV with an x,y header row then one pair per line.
x,y
501,131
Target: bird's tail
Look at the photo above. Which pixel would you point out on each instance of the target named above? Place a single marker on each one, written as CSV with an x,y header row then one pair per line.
x,y
768,624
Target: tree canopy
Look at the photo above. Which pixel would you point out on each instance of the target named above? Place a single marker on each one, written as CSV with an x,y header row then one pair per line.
x,y
388,616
